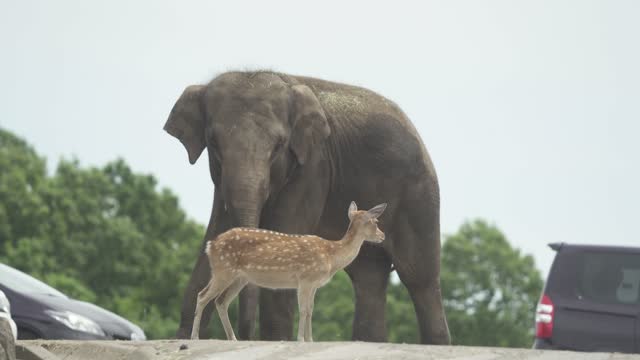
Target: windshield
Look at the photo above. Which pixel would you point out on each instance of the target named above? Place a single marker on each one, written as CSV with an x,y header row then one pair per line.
x,y
20,282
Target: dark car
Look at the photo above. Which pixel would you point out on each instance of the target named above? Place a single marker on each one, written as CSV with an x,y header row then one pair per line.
x,y
591,300
42,312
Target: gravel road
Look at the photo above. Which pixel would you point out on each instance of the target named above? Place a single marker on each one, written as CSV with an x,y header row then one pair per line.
x,y
217,349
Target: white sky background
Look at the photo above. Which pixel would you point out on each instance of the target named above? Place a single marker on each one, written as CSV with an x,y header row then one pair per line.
x,y
530,109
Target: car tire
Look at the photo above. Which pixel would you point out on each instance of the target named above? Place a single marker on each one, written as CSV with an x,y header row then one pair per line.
x,y
26,334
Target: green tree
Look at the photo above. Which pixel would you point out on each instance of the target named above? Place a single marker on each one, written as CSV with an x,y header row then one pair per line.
x,y
490,289
105,235
24,214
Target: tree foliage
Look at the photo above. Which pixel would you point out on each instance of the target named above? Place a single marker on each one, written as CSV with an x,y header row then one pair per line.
x,y
105,235
490,289
109,236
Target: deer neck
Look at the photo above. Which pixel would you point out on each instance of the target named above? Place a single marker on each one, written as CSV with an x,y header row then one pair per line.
x,y
347,248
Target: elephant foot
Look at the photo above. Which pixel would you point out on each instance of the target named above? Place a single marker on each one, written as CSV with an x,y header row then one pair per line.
x,y
183,333
438,339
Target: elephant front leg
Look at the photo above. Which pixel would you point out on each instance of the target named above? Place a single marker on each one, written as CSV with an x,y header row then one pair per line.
x,y
277,308
248,306
200,276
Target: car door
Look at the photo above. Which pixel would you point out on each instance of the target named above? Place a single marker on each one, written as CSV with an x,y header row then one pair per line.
x,y
638,331
588,326
598,307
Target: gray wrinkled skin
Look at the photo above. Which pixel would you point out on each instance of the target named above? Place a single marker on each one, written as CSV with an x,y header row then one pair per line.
x,y
289,153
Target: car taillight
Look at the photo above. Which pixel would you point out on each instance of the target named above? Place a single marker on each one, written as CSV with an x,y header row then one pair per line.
x,y
544,318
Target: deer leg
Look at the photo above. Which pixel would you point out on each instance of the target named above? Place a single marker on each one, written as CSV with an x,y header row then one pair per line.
x,y
215,287
304,294
222,305
307,334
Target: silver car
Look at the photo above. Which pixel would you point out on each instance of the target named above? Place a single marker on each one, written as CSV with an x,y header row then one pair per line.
x,y
5,313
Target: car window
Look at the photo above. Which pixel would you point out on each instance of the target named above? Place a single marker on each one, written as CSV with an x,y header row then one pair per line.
x,y
610,278
20,282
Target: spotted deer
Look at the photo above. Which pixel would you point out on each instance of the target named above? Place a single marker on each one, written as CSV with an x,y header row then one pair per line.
x,y
281,261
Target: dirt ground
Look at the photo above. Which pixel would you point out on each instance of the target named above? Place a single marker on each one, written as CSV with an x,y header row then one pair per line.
x,y
217,349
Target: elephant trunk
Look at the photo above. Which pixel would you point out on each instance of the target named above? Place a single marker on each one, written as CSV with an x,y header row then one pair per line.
x,y
246,217
245,192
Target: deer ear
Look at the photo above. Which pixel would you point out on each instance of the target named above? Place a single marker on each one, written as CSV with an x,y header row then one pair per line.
x,y
376,211
186,121
309,123
352,210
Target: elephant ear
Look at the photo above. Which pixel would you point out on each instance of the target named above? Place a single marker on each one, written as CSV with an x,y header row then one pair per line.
x,y
310,125
187,121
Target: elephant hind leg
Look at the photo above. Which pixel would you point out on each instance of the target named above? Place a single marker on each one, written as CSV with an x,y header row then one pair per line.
x,y
416,258
427,300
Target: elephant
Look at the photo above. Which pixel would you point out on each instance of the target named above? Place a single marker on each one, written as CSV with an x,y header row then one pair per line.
x,y
289,153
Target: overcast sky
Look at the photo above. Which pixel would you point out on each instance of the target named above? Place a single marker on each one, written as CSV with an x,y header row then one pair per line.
x,y
530,109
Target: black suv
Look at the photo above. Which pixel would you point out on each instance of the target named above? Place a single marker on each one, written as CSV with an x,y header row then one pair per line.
x,y
591,300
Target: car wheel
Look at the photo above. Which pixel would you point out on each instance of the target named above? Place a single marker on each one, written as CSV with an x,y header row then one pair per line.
x,y
26,334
